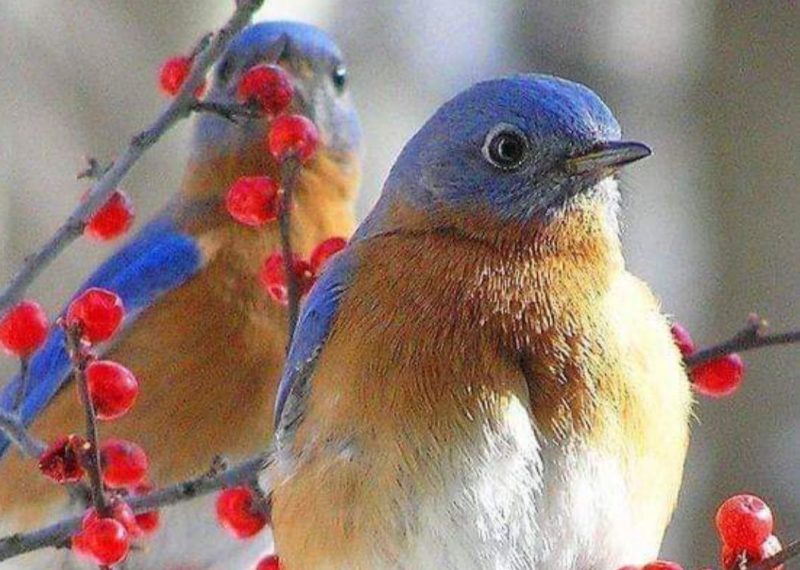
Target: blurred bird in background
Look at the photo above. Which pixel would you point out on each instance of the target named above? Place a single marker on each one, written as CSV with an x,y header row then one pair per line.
x,y
477,381
202,337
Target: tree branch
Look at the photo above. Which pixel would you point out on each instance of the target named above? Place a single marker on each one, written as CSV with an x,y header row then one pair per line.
x,y
12,426
751,337
289,171
179,108
58,534
792,550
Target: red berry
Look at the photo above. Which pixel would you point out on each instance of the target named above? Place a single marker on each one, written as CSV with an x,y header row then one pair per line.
x,y
120,511
113,219
98,312
744,522
731,557
719,377
324,251
269,563
267,86
147,521
293,135
273,277
104,541
23,328
239,512
61,461
253,200
112,388
662,565
173,75
124,463
683,339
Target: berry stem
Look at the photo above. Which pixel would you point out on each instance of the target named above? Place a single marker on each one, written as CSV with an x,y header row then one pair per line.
x,y
178,109
289,171
751,337
79,361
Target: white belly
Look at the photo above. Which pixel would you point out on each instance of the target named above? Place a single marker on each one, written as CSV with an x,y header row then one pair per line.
x,y
524,503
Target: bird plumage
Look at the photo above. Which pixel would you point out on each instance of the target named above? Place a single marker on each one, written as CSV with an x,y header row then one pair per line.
x,y
477,381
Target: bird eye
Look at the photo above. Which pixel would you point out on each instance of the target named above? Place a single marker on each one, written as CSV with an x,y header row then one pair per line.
x,y
339,78
506,147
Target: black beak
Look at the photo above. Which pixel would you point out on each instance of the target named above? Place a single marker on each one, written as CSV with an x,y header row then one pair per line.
x,y
608,155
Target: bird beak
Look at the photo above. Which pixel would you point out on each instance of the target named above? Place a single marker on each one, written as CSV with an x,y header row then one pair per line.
x,y
607,155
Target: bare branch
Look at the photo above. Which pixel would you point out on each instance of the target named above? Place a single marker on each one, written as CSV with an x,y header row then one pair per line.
x,y
231,113
179,108
289,170
13,427
58,534
751,337
792,550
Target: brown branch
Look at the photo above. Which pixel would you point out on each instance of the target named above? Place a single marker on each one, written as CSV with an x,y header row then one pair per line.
x,y
58,534
751,337
229,112
178,109
289,171
79,360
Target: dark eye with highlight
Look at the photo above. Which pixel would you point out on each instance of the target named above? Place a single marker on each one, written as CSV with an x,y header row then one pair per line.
x,y
506,147
339,78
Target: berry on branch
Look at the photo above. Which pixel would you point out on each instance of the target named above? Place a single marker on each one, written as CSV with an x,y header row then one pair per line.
x,y
269,563
240,512
112,219
98,312
293,135
120,511
324,251
173,75
124,463
253,200
719,377
112,388
744,522
273,277
23,328
103,540
61,461
267,86
683,339
147,521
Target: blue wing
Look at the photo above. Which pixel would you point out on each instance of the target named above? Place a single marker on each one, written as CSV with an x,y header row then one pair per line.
x,y
156,261
313,327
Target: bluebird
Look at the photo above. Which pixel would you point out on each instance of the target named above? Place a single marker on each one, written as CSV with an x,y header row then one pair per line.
x,y
205,342
476,381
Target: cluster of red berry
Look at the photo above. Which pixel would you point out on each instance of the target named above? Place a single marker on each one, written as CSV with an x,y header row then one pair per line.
x,y
745,525
716,378
95,315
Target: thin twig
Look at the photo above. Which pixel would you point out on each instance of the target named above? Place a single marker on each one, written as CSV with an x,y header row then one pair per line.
x,y
79,359
751,337
230,112
289,171
13,428
792,550
58,534
179,108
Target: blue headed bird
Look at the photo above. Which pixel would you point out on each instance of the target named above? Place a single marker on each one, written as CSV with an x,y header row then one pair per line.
x,y
477,381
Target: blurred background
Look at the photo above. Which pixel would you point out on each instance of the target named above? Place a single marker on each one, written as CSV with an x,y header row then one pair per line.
x,y
711,221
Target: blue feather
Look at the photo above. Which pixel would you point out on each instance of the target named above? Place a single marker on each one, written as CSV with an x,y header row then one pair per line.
x,y
313,328
159,259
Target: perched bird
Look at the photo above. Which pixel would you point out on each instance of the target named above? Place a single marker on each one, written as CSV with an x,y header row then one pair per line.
x,y
476,381
204,340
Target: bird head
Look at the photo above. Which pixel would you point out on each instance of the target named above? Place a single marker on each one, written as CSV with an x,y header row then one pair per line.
x,y
317,68
518,150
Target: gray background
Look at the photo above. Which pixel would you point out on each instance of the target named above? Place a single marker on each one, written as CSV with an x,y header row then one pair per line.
x,y
711,220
